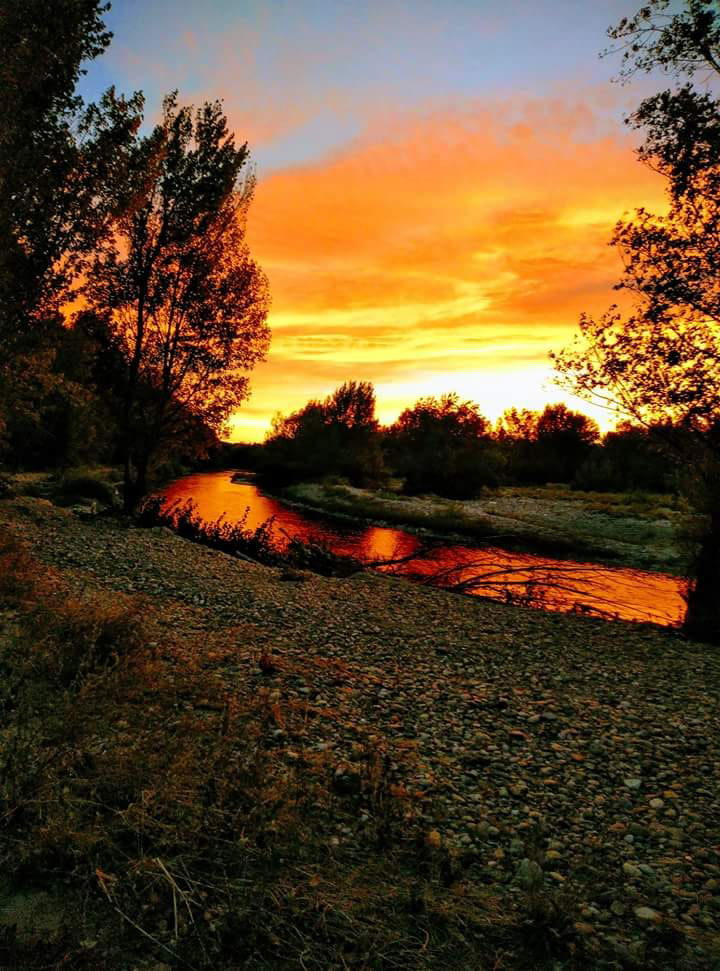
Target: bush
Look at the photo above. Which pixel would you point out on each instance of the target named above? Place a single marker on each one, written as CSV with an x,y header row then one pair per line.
x,y
235,538
17,572
77,638
78,487
184,519
7,486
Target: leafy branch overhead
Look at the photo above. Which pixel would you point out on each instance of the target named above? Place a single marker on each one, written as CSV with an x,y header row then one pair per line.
x,y
657,358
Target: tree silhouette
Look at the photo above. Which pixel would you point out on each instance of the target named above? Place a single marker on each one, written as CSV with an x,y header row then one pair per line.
x,y
443,445
547,446
632,457
175,281
563,439
60,161
337,436
661,360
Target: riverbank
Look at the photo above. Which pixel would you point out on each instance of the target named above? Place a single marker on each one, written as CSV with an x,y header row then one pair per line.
x,y
352,772
641,531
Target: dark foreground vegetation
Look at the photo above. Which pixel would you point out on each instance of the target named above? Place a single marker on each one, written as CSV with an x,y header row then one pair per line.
x,y
237,539
145,811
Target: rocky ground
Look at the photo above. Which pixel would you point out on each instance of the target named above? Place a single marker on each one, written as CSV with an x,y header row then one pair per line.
x,y
562,755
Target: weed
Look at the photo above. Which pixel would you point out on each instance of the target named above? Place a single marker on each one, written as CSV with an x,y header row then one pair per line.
x,y
18,573
7,486
236,538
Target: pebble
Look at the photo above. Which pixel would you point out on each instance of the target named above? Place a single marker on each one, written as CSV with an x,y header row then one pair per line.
x,y
631,870
632,708
647,914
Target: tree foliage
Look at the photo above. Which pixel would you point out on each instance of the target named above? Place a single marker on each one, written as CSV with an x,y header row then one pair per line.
x,y
660,362
61,162
175,281
337,436
547,446
631,458
444,445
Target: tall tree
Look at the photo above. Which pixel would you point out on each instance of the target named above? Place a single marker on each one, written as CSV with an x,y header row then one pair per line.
x,y
177,285
546,446
61,167
661,360
60,161
563,439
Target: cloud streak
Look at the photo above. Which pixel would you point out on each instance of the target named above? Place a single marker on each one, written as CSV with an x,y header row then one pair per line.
x,y
441,252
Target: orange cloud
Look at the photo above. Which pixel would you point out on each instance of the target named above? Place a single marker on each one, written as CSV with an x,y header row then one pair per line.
x,y
451,253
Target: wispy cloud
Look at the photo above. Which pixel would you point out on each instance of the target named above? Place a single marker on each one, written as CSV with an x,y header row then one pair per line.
x,y
463,244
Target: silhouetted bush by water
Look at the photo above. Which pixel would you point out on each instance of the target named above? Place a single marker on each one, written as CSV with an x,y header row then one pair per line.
x,y
237,539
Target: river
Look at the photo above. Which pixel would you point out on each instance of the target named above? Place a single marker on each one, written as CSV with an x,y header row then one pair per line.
x,y
554,584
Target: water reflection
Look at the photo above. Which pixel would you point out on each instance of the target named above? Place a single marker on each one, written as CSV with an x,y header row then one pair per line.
x,y
559,584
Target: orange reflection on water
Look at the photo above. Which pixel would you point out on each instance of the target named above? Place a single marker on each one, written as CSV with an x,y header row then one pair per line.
x,y
555,584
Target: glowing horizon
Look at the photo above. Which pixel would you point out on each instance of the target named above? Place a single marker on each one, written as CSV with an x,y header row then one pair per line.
x,y
465,288
437,186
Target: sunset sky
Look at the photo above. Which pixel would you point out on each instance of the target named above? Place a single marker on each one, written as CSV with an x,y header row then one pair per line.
x,y
437,181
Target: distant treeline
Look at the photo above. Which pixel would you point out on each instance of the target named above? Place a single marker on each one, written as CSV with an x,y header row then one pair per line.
x,y
447,447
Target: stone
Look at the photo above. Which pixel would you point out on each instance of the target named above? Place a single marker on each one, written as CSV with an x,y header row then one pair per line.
x,y
647,915
433,839
346,781
633,783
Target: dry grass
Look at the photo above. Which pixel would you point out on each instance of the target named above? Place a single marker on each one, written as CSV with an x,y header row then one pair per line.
x,y
162,819
643,505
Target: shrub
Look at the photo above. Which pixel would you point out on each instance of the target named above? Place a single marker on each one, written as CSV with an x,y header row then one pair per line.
x,y
235,538
184,519
77,638
7,486
74,488
18,573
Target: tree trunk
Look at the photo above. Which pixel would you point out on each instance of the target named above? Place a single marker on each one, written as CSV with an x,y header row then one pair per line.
x,y
702,618
141,479
135,482
128,488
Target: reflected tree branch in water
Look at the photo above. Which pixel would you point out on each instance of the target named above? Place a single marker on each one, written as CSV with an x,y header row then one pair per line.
x,y
535,585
